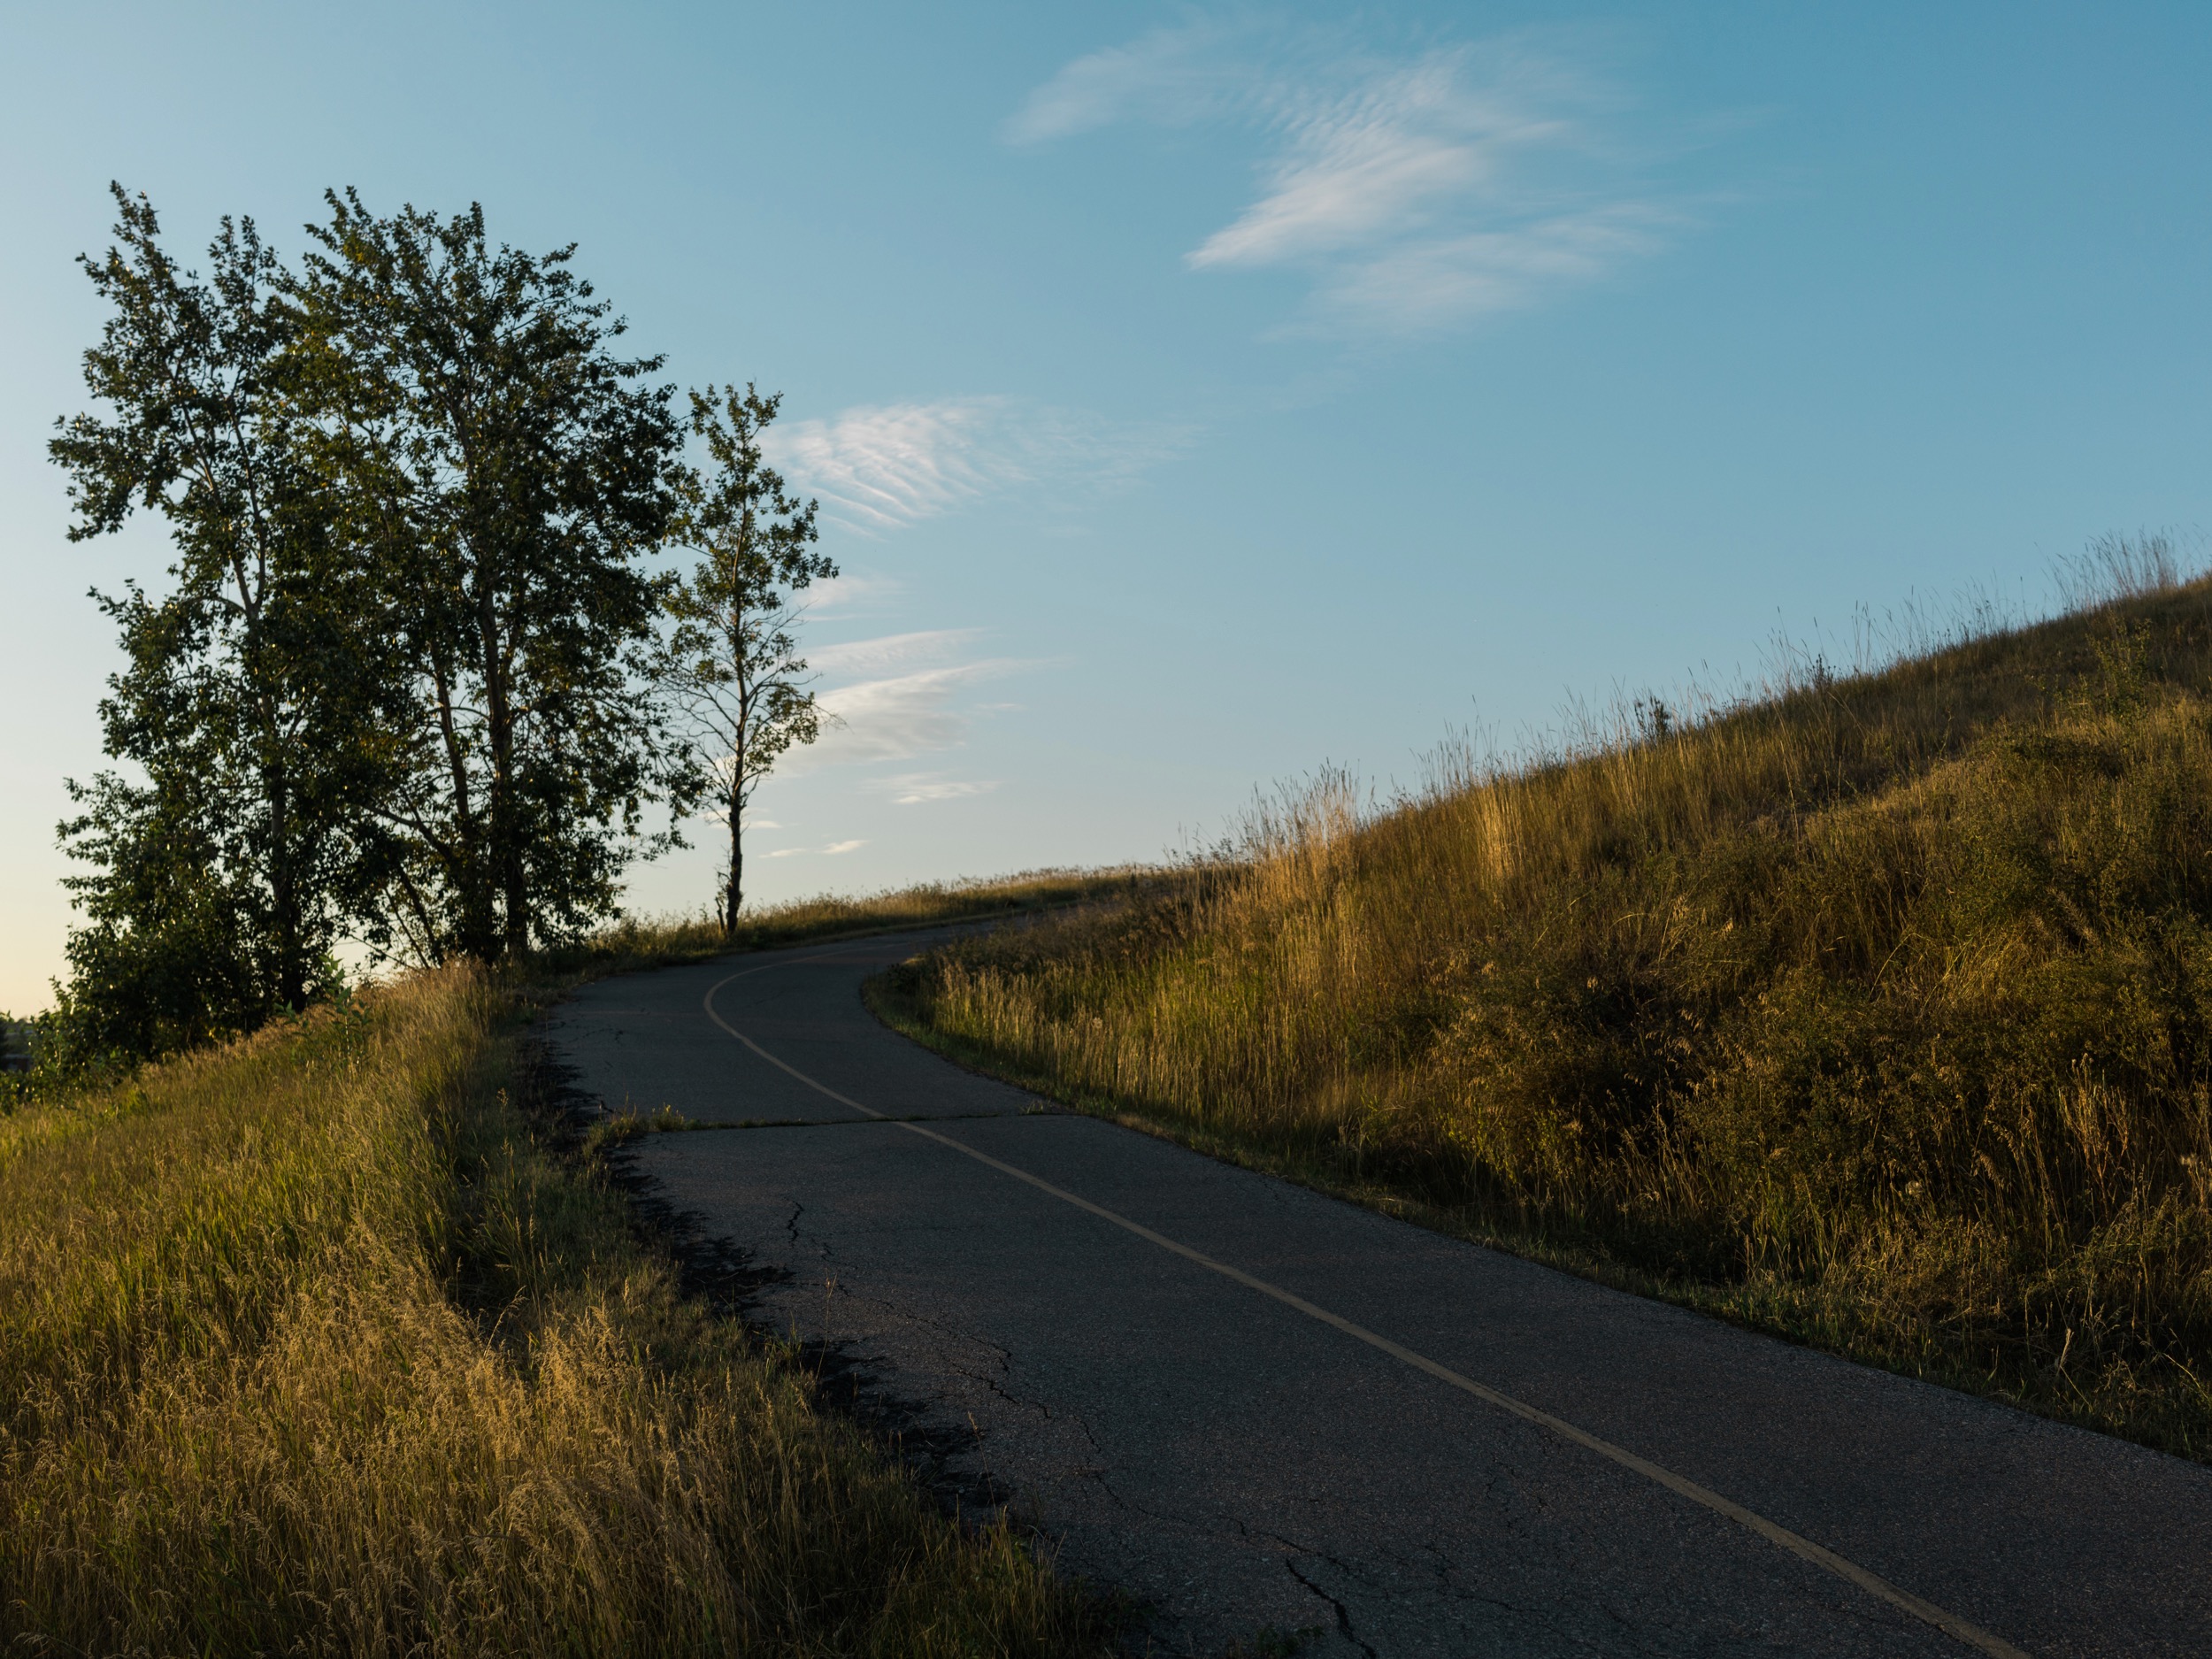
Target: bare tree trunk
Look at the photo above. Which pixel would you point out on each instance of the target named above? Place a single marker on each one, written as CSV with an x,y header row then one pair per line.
x,y
733,894
467,867
504,811
283,892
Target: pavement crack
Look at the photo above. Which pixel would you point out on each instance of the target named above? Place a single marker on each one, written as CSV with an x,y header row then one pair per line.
x,y
1291,1544
1343,1615
996,1388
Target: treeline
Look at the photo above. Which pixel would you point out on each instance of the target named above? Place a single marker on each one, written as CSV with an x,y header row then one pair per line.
x,y
416,681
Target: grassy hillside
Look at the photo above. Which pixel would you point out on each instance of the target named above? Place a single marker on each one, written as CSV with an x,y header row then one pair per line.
x,y
643,942
1877,1012
307,1345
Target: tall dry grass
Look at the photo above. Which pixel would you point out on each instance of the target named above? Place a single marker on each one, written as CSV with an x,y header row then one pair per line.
x,y
1878,1011
649,941
307,1347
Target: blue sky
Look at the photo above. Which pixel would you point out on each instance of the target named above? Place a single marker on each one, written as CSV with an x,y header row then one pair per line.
x,y
1196,394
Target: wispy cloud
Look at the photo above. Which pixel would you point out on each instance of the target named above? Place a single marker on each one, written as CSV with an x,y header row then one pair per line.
x,y
1171,76
906,714
1418,192
1437,283
852,592
885,466
905,698
892,651
830,851
915,789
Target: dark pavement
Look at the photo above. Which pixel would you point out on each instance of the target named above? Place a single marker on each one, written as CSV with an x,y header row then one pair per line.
x,y
1241,1466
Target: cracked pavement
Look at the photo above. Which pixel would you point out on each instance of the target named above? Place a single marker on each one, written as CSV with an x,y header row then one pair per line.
x,y
1246,1473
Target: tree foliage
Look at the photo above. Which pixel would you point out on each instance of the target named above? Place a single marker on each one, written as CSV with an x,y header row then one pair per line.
x,y
501,474
221,881
403,685
736,674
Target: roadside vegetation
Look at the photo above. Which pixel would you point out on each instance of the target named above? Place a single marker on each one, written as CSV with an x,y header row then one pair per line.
x,y
319,1332
422,680
649,941
316,1342
1875,1012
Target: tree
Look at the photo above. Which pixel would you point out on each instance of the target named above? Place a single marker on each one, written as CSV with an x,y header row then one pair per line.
x,y
222,881
180,942
736,671
501,474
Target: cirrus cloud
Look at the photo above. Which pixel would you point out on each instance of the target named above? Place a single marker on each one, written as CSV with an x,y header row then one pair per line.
x,y
913,789
897,697
1418,192
883,466
830,851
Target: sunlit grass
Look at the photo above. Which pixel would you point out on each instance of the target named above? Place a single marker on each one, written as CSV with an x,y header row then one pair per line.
x,y
1877,1011
654,940
307,1345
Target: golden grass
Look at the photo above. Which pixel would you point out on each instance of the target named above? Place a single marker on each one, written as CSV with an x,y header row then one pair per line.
x,y
1877,1012
656,941
307,1347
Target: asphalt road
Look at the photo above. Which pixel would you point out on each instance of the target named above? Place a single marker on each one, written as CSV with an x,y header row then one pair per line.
x,y
1255,1409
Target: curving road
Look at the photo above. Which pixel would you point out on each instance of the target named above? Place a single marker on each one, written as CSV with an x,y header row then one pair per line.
x,y
1257,1410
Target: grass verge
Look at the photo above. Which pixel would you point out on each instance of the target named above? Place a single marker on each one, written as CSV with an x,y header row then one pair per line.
x,y
659,941
310,1345
1876,1013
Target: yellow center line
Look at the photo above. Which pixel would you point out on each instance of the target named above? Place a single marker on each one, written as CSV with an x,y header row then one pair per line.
x,y
1801,1546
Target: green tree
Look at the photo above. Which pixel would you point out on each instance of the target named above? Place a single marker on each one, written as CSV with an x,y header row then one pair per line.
x,y
736,674
222,880
502,474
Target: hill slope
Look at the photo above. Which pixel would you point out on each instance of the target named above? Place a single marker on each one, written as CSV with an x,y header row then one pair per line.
x,y
319,1343
1878,1013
